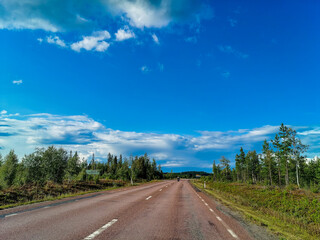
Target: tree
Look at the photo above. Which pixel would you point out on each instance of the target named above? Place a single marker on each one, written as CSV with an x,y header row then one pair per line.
x,y
9,169
285,136
55,163
216,171
226,171
253,165
34,167
73,165
268,159
276,144
297,149
238,167
242,161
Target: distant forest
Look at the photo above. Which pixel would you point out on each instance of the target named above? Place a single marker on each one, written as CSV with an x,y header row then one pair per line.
x,y
57,165
282,162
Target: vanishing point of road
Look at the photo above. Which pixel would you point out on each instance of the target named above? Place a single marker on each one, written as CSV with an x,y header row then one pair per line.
x,y
161,210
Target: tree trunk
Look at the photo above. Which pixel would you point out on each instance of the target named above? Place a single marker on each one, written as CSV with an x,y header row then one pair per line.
x,y
270,174
297,173
279,172
287,173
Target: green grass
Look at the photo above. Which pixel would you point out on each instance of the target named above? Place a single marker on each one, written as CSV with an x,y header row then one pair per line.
x,y
28,194
289,213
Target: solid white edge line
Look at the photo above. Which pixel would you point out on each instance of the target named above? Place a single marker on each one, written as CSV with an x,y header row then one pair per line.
x,y
100,230
148,197
223,223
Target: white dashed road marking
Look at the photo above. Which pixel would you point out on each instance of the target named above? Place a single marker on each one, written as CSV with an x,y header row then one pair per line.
x,y
10,215
148,197
100,230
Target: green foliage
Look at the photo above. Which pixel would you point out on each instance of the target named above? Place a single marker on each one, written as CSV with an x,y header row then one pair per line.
x,y
55,165
73,166
34,168
9,169
34,192
281,162
292,205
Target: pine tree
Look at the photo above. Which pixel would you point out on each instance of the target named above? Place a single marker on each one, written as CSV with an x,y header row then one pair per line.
x,y
268,159
225,163
276,144
73,166
242,163
284,133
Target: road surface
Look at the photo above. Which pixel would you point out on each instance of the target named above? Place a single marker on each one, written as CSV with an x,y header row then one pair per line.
x,y
162,210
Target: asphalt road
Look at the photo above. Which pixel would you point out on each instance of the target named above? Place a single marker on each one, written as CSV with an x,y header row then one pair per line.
x,y
163,210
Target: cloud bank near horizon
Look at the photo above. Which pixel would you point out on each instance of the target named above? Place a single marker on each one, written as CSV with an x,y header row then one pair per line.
x,y
85,135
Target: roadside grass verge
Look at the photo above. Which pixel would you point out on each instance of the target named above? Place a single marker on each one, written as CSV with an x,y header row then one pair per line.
x,y
289,213
28,194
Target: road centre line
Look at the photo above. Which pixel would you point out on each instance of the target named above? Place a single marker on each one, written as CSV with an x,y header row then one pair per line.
x,y
148,197
100,230
10,215
160,190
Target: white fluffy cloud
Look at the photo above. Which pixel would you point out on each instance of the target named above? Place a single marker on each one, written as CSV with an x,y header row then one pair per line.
x,y
124,34
3,112
17,82
62,15
155,38
55,40
94,42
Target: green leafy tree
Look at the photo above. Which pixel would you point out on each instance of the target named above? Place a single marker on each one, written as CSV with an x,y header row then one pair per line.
x,y
9,169
35,167
55,163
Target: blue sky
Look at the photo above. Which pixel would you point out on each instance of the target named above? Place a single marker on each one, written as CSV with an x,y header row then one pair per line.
x,y
186,81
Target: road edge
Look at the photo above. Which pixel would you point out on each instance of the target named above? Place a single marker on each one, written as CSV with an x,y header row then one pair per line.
x,y
254,230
